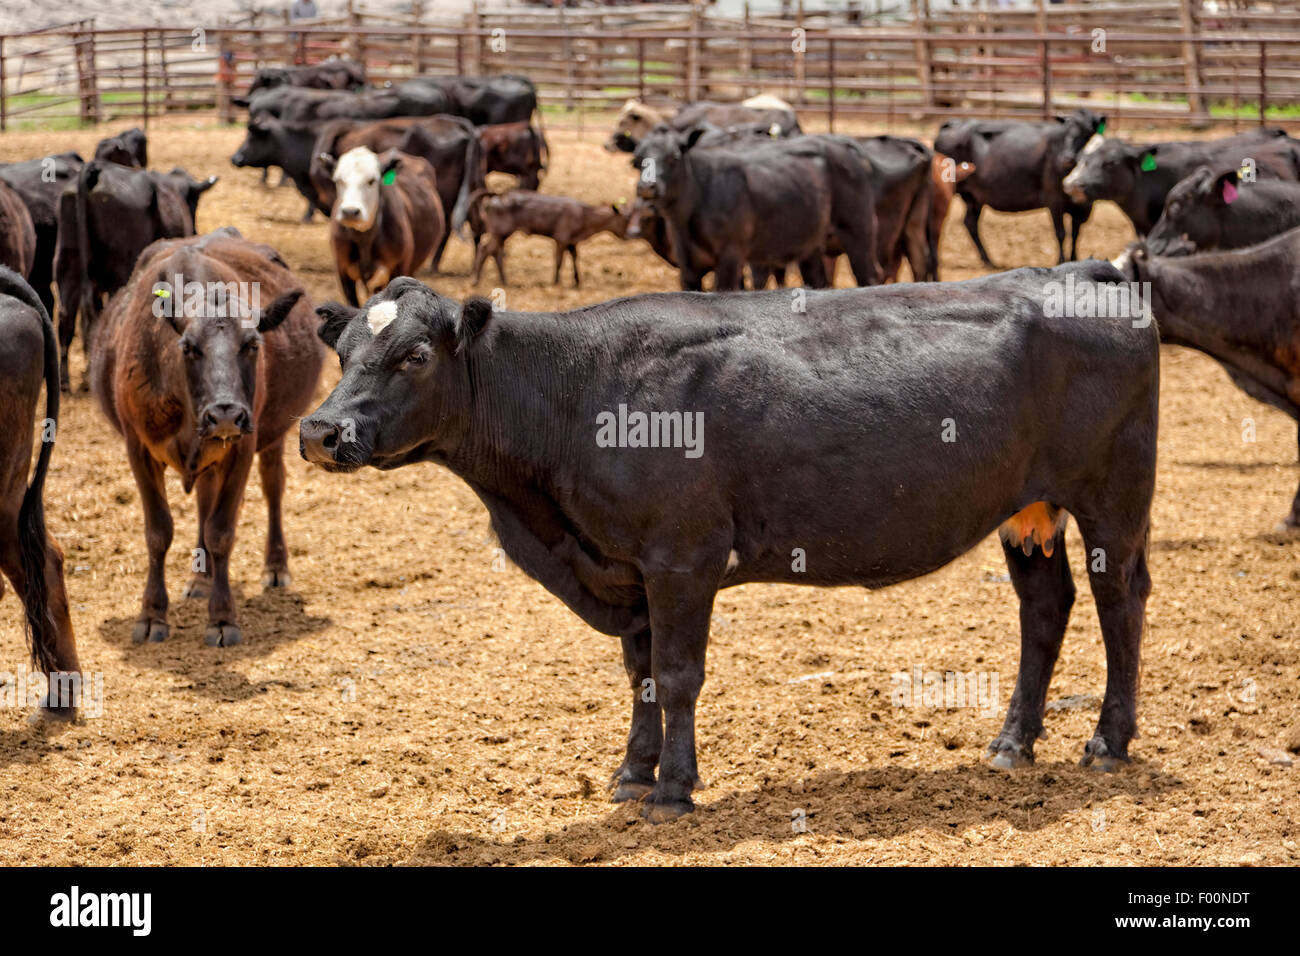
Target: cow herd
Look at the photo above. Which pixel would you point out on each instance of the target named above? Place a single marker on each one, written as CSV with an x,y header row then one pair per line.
x,y
872,434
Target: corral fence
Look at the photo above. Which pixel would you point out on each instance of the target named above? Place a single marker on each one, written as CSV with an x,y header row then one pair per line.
x,y
1145,62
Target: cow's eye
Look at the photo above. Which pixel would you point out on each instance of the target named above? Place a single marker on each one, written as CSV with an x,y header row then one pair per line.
x,y
417,356
371,181
251,345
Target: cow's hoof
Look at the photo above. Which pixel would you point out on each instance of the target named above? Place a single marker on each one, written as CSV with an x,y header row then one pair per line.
x,y
155,632
631,790
1097,756
1290,526
198,588
222,635
1008,755
666,812
45,714
275,579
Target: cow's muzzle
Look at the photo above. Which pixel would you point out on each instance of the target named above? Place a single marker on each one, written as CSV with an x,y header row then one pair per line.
x,y
225,421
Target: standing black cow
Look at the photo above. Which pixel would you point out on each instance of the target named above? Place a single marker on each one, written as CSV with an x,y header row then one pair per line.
x,y
105,221
766,205
637,456
1138,178
1210,210
485,100
1019,166
1241,308
40,183
336,73
29,557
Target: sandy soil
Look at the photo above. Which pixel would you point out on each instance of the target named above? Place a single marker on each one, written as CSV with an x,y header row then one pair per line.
x,y
407,702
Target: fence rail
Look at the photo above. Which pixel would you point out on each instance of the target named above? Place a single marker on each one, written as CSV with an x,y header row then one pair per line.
x,y
1144,63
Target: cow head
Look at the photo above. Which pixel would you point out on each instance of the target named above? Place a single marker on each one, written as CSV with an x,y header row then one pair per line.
x,y
635,121
659,157
1193,213
1080,128
219,328
359,175
1107,169
261,145
189,188
405,394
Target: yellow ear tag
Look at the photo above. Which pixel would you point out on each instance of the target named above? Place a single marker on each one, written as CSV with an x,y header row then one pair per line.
x,y
162,293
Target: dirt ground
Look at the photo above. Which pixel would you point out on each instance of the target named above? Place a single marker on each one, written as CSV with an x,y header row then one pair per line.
x,y
409,702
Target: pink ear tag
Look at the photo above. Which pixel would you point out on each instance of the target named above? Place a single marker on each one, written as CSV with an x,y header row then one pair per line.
x,y
1229,192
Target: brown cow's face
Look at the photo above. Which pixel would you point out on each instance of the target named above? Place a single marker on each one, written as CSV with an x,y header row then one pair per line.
x,y
404,395
635,122
219,335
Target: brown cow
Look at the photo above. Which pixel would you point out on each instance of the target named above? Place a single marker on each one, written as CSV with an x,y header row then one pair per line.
x,y
946,173
515,148
565,220
17,233
387,218
29,556
203,360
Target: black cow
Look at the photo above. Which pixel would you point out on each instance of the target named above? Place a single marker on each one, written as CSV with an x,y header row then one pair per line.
x,y
29,556
1138,178
40,183
127,149
766,205
485,100
270,141
904,193
1019,166
774,435
187,187
336,73
294,104
105,221
768,115
1240,307
17,234
1218,211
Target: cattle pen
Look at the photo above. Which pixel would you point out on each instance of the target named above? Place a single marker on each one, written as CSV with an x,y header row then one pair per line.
x,y
1153,63
357,664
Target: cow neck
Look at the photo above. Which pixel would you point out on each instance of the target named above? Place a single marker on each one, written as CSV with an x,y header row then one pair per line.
x,y
529,403
1196,292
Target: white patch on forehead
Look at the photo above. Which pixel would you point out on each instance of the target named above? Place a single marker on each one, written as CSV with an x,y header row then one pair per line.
x,y
356,178
733,561
356,163
1093,144
1122,262
381,315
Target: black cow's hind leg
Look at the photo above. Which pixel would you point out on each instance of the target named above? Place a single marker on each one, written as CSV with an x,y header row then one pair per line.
x,y
1046,591
1292,521
680,605
635,777
1058,226
972,221
1117,571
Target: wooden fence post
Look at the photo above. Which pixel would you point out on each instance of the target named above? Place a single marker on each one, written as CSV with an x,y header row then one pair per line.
x,y
1192,60
830,74
144,76
4,93
417,17
693,55
1263,87
747,56
801,59
921,46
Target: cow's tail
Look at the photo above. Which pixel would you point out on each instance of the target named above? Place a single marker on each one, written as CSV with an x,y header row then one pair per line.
x,y
33,543
86,181
471,180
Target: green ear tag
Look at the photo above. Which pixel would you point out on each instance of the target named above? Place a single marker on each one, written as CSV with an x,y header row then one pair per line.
x,y
389,177
1101,128
1148,162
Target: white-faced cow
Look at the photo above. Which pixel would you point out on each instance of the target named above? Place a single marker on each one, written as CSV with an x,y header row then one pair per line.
x,y
387,218
637,456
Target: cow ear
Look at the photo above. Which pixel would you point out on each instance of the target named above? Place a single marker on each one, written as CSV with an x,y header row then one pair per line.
x,y
207,184
334,317
389,163
474,315
326,163
692,138
278,310
1224,189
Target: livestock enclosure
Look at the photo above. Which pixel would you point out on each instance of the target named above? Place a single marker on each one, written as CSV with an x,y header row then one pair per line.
x,y
1153,62
413,698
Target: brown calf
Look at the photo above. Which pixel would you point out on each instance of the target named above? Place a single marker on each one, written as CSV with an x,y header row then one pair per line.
x,y
387,219
515,148
29,557
17,233
202,361
565,220
946,174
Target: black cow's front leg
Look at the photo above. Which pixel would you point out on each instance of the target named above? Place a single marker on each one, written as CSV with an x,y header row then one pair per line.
x,y
636,776
681,603
1046,591
1292,521
1058,226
